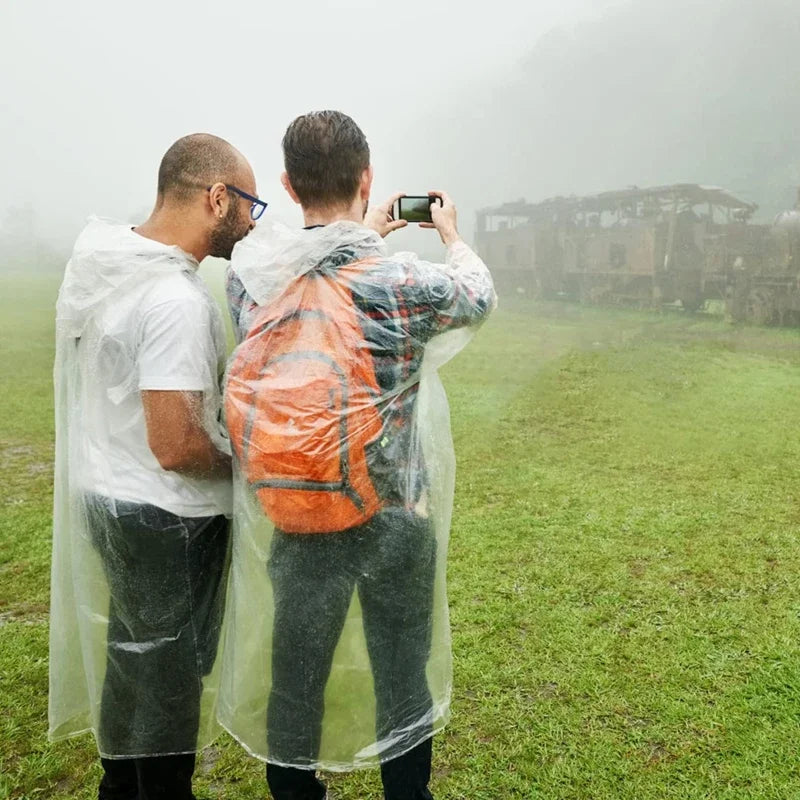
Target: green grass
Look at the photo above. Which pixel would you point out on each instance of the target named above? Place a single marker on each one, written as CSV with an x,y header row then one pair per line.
x,y
624,570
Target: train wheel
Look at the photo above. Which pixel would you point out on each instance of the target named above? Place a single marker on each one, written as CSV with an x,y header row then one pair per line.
x,y
761,307
585,293
691,303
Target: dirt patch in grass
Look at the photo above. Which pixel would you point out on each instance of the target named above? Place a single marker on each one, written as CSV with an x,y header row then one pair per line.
x,y
11,452
208,760
25,614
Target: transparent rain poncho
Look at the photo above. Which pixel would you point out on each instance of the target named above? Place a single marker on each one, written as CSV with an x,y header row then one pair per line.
x,y
140,554
337,644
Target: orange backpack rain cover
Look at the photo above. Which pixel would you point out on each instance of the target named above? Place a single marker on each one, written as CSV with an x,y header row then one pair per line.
x,y
301,406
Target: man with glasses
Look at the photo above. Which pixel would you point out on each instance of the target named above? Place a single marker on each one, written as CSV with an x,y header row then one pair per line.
x,y
143,493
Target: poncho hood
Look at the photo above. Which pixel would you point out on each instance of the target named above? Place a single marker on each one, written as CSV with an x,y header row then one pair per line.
x,y
273,255
109,256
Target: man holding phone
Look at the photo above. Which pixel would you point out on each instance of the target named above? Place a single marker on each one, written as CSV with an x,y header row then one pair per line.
x,y
340,430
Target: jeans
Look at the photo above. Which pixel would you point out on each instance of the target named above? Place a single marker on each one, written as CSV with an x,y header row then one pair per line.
x,y
166,577
391,562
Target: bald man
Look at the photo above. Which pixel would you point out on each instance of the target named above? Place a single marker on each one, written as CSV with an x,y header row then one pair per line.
x,y
143,492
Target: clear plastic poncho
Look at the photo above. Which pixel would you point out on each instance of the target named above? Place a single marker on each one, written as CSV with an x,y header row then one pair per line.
x,y
337,644
140,554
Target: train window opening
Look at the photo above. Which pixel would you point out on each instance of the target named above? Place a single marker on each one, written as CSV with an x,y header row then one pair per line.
x,y
617,255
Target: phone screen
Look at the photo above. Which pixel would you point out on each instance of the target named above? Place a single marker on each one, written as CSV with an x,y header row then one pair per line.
x,y
415,208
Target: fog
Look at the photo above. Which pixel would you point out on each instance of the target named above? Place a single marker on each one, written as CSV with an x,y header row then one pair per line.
x,y
651,93
94,92
492,101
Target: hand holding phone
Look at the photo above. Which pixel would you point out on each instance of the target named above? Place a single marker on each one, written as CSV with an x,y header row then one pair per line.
x,y
443,218
381,218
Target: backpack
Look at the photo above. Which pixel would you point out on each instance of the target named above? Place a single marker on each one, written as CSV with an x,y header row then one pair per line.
x,y
301,406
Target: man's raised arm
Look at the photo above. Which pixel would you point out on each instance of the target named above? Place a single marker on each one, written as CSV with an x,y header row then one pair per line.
x,y
461,290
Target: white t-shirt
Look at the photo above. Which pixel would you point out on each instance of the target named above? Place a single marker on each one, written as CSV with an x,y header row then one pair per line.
x,y
165,333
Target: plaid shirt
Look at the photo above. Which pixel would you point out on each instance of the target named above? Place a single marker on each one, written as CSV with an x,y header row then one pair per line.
x,y
403,305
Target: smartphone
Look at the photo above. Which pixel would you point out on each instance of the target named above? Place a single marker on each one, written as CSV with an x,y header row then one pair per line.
x,y
416,208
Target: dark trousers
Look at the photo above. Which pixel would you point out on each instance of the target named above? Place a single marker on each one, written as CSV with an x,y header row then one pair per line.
x,y
157,778
166,579
391,562
404,778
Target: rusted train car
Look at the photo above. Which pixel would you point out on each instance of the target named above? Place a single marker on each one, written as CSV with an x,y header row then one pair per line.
x,y
647,247
765,288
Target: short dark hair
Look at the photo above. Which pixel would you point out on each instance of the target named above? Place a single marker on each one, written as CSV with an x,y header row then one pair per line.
x,y
194,162
325,154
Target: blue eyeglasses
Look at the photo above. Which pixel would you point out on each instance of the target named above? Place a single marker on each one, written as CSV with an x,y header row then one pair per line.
x,y
257,207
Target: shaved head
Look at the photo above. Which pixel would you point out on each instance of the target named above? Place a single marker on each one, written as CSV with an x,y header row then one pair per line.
x,y
195,162
202,206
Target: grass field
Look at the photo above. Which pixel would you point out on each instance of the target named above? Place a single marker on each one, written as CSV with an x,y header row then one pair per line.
x,y
624,571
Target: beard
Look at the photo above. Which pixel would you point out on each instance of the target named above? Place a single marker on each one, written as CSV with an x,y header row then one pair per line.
x,y
231,228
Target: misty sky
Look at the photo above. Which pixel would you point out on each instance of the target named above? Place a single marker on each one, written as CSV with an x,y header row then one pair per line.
x,y
94,91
